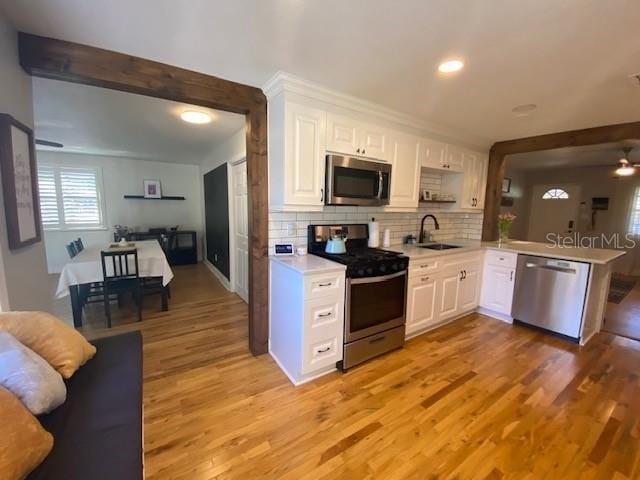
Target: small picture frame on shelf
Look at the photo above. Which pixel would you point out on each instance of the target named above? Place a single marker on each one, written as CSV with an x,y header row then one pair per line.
x,y
506,185
152,189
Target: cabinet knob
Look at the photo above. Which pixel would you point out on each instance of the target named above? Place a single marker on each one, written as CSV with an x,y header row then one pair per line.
x,y
363,151
358,151
322,195
424,279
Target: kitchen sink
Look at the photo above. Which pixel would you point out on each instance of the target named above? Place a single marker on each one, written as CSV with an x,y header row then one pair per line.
x,y
439,246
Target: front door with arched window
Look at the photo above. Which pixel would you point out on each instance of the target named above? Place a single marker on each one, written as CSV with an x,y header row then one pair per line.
x,y
553,211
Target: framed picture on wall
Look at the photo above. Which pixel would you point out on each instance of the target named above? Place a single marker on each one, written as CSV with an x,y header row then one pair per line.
x,y
152,189
506,185
19,182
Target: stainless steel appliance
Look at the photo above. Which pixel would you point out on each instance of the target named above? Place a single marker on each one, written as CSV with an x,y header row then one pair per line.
x,y
550,293
376,292
353,181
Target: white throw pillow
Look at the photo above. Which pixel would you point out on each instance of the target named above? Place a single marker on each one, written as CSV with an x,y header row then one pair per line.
x,y
29,377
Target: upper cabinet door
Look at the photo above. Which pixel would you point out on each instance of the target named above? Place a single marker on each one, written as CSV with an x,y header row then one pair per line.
x,y
475,171
375,143
305,130
343,135
405,172
434,154
455,159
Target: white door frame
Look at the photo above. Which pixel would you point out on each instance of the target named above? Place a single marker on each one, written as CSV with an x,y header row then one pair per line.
x,y
232,220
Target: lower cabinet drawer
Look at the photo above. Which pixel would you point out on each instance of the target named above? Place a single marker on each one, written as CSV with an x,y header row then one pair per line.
x,y
316,286
504,259
323,317
321,353
420,267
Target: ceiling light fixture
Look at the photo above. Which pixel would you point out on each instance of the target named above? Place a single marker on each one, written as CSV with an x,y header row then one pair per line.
x,y
192,116
451,66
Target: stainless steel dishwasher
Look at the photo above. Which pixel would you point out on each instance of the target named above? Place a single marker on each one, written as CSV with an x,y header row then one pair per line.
x,y
550,294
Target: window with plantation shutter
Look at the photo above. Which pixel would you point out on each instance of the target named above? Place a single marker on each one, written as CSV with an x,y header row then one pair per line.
x,y
634,219
70,197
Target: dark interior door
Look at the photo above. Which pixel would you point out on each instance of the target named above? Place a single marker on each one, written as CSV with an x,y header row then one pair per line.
x,y
216,212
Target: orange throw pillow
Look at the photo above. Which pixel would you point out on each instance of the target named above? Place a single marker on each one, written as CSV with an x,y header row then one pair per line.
x,y
55,341
24,444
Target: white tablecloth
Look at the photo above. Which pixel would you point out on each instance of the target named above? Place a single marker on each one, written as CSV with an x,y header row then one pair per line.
x,y
86,267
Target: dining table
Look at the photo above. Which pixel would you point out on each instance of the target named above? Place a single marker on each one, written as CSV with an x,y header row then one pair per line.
x,y
86,268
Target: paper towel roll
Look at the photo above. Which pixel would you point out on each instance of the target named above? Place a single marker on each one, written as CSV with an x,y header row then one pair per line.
x,y
374,233
386,238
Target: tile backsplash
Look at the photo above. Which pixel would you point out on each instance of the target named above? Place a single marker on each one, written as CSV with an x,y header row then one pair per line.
x,y
291,227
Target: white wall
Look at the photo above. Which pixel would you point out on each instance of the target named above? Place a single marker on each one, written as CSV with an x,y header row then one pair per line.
x,y
24,283
124,176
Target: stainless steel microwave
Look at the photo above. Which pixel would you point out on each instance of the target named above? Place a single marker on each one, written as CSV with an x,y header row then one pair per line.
x,y
354,181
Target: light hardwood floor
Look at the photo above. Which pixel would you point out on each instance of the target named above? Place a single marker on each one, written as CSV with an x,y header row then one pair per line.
x,y
477,399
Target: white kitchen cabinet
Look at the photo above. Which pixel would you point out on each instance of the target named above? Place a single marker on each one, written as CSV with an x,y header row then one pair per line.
x,y
352,137
455,158
442,288
405,172
434,154
469,290
447,295
475,179
297,137
306,316
421,303
498,280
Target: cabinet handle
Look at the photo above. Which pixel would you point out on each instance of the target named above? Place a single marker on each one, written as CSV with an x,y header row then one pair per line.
x,y
358,151
363,152
465,273
511,276
424,279
461,275
322,195
425,265
322,350
325,284
322,315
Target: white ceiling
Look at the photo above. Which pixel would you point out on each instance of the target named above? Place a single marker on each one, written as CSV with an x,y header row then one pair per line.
x,y
100,121
606,154
570,57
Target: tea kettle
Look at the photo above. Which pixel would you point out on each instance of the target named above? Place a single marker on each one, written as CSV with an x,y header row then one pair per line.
x,y
336,244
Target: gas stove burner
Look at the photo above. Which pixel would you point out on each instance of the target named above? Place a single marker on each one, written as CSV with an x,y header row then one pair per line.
x,y
361,260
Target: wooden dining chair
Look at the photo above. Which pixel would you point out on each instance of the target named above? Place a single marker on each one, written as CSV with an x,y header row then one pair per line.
x,y
71,250
121,273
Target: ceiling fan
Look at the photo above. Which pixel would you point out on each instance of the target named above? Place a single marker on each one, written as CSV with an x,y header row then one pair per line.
x,y
625,167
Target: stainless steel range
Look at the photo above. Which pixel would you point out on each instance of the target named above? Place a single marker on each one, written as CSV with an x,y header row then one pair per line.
x,y
376,292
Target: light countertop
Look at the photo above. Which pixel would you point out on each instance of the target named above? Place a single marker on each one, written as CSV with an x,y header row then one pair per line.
x,y
599,256
308,264
580,254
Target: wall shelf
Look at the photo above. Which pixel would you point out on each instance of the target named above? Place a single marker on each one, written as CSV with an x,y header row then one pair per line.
x,y
142,197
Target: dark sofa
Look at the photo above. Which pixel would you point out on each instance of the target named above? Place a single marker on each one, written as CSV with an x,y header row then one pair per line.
x,y
98,430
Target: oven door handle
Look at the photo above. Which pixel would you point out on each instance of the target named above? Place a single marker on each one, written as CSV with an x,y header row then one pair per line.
x,y
356,281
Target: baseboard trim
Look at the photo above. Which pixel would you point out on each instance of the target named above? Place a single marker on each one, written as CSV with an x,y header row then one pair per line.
x,y
304,378
218,274
496,315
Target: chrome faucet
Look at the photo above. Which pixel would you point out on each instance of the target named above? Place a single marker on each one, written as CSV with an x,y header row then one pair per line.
x,y
435,221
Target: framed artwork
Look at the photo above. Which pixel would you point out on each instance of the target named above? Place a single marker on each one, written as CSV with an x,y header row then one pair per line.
x,y
506,185
152,189
19,183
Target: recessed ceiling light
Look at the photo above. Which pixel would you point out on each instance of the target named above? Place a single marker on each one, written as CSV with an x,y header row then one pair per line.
x,y
450,66
193,116
524,110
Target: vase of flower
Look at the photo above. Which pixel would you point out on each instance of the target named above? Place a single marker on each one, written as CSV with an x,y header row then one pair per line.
x,y
504,224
